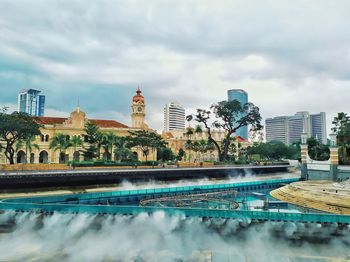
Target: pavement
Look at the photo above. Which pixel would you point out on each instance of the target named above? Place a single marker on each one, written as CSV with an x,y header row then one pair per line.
x,y
320,195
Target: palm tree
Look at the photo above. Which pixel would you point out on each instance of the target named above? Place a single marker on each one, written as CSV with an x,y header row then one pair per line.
x,y
198,130
203,147
109,140
75,142
188,146
28,144
60,142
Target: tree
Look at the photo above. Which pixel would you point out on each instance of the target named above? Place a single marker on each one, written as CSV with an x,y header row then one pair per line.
x,y
92,137
342,128
60,142
76,141
317,151
165,154
108,142
189,146
122,151
230,116
145,141
28,144
14,127
180,155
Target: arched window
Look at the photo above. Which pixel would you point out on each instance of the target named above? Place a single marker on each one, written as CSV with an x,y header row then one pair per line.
x,y
42,138
47,137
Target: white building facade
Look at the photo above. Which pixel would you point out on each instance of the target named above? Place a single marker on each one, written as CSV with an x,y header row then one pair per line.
x,y
288,129
174,116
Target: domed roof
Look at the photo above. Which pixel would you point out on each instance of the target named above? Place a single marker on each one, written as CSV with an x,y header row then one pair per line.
x,y
138,97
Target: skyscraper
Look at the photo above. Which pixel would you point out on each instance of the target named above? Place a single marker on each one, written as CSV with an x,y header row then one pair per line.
x,y
29,101
277,129
318,127
174,116
242,97
288,129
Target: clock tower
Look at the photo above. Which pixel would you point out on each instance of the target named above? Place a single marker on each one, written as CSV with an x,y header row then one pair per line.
x,y
138,110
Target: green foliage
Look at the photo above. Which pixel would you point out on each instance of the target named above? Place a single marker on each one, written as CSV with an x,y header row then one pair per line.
x,y
60,142
145,141
15,127
122,151
341,127
76,141
100,163
317,151
92,138
165,154
273,150
230,116
180,155
27,143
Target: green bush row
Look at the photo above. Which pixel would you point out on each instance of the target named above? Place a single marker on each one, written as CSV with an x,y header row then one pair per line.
x,y
111,163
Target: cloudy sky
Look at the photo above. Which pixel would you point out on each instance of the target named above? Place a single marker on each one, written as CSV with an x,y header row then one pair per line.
x,y
288,55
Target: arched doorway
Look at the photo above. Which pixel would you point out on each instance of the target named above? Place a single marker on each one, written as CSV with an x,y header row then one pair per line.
x,y
76,156
21,157
32,158
43,157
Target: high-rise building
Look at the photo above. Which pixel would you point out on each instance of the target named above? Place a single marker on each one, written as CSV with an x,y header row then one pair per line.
x,y
174,116
242,97
288,129
298,124
318,127
277,129
29,101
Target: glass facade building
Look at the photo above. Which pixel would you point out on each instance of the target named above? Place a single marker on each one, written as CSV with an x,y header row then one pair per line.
x,y
30,102
242,97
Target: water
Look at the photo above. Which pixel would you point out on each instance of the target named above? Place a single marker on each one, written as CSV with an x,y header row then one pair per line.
x,y
157,237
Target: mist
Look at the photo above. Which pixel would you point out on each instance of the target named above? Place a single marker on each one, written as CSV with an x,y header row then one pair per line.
x,y
158,237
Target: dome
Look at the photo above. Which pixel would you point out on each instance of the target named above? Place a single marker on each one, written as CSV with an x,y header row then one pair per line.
x,y
138,97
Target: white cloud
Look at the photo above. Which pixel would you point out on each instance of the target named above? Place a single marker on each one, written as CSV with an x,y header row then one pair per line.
x,y
289,56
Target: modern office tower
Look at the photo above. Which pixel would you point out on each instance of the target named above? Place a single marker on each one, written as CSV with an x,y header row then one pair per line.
x,y
277,129
288,129
174,116
318,124
242,97
29,101
298,124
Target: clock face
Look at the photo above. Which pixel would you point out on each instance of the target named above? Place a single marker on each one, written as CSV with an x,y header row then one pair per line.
x,y
139,109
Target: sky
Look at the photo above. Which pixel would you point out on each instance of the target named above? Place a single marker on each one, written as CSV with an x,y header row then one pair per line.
x,y
288,55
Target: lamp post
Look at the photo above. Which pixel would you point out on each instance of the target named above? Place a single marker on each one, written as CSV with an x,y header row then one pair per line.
x,y
334,157
304,154
333,138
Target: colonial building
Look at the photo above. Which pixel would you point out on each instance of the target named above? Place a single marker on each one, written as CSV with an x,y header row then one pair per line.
x,y
178,139
74,126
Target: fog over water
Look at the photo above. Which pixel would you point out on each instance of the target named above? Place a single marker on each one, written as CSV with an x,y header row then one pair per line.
x,y
158,237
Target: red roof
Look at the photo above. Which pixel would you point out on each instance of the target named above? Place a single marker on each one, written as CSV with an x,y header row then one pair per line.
x,y
108,123
99,122
43,120
241,139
